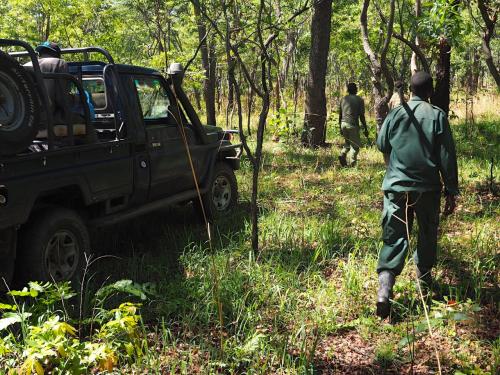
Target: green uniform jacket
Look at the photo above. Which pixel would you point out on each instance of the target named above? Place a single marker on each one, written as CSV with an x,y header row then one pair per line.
x,y
418,158
351,109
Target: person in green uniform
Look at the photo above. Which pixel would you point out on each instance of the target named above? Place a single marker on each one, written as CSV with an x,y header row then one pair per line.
x,y
417,138
351,111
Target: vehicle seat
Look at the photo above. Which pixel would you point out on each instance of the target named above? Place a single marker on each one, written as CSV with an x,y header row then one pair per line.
x,y
61,129
99,100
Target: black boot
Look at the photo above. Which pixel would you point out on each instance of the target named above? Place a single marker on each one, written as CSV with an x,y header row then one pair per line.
x,y
386,281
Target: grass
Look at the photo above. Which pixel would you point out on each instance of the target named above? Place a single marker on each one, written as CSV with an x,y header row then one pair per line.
x,y
305,303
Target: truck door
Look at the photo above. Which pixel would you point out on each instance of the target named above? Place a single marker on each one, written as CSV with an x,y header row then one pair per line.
x,y
168,159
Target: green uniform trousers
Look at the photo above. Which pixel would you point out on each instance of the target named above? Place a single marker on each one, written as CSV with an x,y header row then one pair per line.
x,y
399,208
352,143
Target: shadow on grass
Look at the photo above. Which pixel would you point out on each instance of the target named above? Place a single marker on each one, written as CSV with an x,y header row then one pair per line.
x,y
297,158
461,282
154,242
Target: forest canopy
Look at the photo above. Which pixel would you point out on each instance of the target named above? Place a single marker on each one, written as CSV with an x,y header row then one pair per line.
x,y
155,33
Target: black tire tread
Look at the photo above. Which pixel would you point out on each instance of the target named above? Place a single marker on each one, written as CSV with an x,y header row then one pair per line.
x,y
30,251
15,141
210,211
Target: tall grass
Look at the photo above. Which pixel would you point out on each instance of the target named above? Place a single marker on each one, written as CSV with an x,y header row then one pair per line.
x,y
295,307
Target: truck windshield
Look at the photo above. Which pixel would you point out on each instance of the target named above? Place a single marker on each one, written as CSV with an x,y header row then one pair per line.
x,y
153,98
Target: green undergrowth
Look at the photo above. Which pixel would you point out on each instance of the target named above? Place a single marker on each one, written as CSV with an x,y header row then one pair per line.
x,y
303,304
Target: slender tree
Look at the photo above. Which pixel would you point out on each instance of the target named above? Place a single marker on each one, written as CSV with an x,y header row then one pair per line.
x,y
441,96
449,21
415,63
208,61
315,100
378,63
489,14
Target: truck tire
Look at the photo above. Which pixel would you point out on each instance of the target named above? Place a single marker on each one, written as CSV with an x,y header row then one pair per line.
x,y
52,247
19,107
222,193
8,238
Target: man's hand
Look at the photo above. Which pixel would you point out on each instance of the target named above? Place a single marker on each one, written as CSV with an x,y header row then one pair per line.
x,y
450,204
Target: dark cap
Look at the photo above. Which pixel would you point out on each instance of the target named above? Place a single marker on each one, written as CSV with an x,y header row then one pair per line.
x,y
49,47
421,83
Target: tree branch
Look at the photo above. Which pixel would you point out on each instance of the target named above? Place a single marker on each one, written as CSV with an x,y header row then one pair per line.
x,y
364,35
200,44
385,48
414,48
233,49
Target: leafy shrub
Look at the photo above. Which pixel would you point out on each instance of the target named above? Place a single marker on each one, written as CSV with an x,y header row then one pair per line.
x,y
37,335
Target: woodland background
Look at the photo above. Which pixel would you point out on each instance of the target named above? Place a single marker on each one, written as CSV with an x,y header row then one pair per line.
x,y
288,283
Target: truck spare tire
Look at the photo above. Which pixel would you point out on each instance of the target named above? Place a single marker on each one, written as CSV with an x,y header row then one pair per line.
x,y
19,107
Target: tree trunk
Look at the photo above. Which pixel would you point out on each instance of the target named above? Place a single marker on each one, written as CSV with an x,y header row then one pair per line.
x,y
197,98
378,65
211,84
473,73
208,61
488,33
266,102
441,96
381,107
414,65
315,101
250,102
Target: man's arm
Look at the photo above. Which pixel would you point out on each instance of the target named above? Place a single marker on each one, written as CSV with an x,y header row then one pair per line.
x,y
447,156
362,117
383,140
447,163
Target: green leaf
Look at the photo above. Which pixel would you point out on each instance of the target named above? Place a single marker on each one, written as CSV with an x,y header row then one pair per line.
x,y
459,316
4,306
123,286
24,293
12,318
252,345
406,341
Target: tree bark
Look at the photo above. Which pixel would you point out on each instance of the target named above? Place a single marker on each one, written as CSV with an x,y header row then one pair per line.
x,y
315,101
414,65
487,34
441,96
378,65
208,61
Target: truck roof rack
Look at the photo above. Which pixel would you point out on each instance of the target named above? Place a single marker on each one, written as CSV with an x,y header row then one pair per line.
x,y
86,51
42,91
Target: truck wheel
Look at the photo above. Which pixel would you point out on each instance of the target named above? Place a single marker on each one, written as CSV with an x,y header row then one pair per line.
x,y
222,193
52,248
8,238
19,107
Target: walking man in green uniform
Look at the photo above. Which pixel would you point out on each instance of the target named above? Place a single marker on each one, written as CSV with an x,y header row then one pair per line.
x,y
417,138
351,111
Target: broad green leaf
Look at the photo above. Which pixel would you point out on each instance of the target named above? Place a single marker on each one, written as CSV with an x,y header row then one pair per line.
x,y
4,306
12,318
